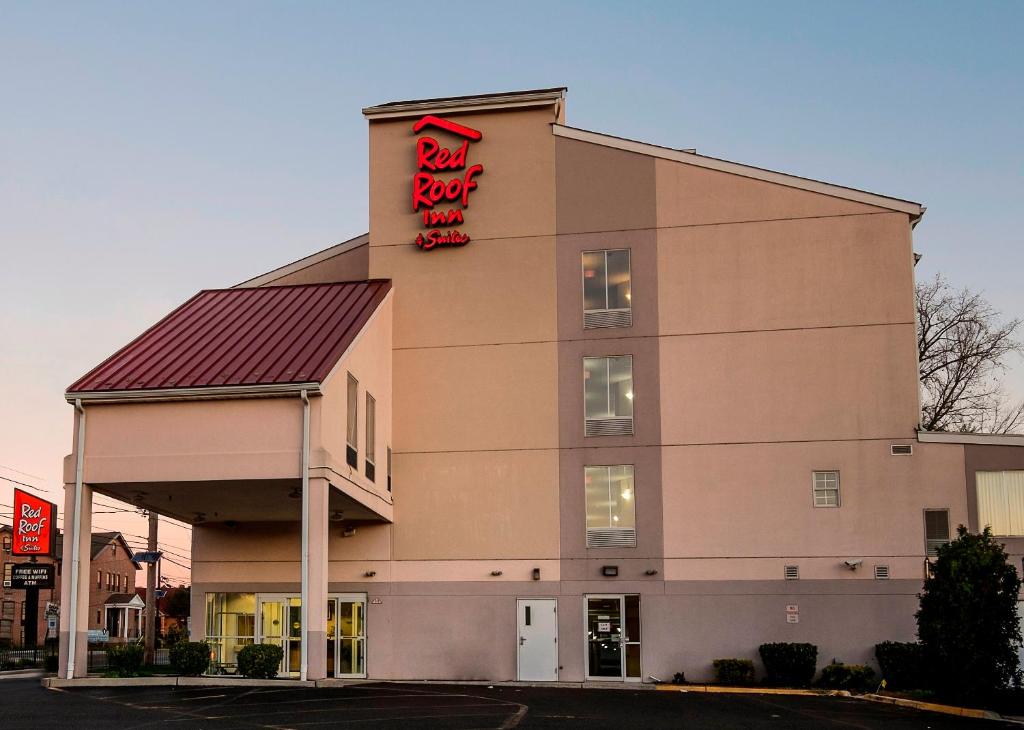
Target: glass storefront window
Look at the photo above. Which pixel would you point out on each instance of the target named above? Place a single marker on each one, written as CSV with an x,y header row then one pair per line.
x,y
230,625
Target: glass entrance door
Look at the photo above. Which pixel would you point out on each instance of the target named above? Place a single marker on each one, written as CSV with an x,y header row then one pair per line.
x,y
281,624
346,635
612,624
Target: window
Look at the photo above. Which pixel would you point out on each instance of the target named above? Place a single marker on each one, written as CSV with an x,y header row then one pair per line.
x,y
826,489
7,543
611,515
99,578
608,395
8,569
99,618
113,551
117,582
1001,501
110,582
230,625
352,427
126,582
371,437
389,468
936,530
607,289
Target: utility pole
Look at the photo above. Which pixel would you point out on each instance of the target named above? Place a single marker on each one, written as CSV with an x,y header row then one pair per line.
x,y
150,630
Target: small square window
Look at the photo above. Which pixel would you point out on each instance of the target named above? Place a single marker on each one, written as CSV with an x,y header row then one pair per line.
x,y
826,489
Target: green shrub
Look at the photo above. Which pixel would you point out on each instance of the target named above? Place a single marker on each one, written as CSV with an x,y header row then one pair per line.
x,y
50,663
968,623
734,671
260,661
679,678
901,664
190,658
789,665
175,635
851,677
124,660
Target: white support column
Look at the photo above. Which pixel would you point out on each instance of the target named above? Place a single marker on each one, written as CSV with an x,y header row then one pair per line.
x,y
74,589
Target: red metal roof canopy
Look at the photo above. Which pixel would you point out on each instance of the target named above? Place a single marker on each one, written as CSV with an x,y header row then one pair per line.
x,y
229,337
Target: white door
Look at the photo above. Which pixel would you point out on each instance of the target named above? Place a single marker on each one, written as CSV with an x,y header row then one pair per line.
x,y
538,639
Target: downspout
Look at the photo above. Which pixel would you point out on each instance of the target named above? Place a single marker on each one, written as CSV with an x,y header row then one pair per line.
x,y
75,540
304,608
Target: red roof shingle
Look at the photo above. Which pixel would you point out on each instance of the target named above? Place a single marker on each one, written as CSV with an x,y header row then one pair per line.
x,y
228,337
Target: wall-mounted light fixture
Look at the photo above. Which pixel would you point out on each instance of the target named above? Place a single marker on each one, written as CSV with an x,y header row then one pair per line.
x,y
536,574
610,571
651,571
200,517
295,493
337,516
496,573
370,573
348,532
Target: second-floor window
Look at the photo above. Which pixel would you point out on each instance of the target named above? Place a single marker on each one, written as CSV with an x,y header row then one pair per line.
x,y
7,543
826,489
352,424
611,515
607,289
371,437
608,395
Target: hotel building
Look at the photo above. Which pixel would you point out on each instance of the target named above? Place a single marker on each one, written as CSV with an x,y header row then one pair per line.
x,y
575,408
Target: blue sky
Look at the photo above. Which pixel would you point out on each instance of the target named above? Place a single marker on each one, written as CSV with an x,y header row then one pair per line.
x,y
148,150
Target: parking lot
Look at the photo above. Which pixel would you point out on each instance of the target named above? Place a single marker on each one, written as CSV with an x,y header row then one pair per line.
x,y
25,704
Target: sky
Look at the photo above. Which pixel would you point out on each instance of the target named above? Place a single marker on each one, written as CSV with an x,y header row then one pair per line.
x,y
149,150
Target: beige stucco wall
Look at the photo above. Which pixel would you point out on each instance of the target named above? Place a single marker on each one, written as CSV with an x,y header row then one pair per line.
x,y
475,362
191,441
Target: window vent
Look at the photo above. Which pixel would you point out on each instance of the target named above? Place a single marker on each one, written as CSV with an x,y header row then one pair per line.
x,y
610,537
792,572
609,427
901,449
371,471
607,318
882,572
351,457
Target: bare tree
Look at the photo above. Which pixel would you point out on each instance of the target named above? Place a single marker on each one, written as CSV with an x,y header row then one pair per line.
x,y
962,350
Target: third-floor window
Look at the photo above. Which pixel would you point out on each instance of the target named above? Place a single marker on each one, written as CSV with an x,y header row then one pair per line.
x,y
607,289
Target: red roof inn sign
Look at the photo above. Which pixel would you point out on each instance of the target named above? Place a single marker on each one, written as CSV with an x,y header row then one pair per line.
x,y
35,529
451,196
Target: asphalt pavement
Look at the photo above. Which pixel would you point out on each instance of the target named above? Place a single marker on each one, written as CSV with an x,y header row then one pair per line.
x,y
379,706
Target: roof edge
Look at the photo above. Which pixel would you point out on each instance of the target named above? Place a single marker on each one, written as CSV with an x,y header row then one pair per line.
x,y
305,262
477,102
978,439
209,392
914,210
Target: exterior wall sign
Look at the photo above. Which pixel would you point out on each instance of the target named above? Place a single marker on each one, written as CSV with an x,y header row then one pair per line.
x,y
35,528
450,195
32,575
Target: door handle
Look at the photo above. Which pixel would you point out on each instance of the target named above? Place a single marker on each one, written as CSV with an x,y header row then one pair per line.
x,y
522,640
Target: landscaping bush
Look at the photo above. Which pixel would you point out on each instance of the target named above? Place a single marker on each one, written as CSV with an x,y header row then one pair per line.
x,y
124,660
679,678
901,664
851,677
50,663
790,665
968,623
260,661
737,672
175,635
190,658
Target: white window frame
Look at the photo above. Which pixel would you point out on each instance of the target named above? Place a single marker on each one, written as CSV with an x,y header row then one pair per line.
x,y
815,488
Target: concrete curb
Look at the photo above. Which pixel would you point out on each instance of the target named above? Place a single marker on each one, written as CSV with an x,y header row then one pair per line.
x,y
170,681
719,689
936,707
22,673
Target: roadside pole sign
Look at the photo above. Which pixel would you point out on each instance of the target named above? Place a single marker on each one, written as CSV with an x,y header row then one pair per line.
x,y
35,526
147,557
32,575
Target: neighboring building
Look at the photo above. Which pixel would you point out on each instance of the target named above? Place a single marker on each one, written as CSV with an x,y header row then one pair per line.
x,y
113,571
658,409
